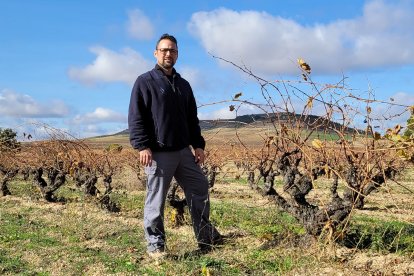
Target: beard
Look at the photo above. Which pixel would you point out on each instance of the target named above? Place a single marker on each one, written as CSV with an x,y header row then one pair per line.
x,y
167,64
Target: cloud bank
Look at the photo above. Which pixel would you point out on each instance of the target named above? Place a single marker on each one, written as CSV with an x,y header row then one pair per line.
x,y
13,104
111,66
381,37
100,115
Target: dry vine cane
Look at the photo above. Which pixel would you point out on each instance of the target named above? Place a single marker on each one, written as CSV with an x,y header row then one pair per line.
x,y
303,147
52,161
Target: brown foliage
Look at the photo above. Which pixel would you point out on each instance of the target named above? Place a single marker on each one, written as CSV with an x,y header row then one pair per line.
x,y
300,147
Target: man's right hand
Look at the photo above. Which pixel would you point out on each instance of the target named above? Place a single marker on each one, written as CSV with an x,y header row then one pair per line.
x,y
145,157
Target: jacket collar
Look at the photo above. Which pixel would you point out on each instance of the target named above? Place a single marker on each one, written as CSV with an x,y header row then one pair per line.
x,y
158,68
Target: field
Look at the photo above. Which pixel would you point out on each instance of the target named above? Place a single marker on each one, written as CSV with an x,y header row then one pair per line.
x,y
76,237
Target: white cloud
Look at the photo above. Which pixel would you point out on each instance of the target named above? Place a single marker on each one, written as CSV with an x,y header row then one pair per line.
x,y
111,66
193,76
13,104
93,130
396,112
222,113
382,36
100,115
139,26
403,98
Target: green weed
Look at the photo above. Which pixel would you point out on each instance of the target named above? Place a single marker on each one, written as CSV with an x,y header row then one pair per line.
x,y
382,236
77,238
10,264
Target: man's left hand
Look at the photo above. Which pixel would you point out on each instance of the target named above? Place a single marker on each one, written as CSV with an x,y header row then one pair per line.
x,y
199,156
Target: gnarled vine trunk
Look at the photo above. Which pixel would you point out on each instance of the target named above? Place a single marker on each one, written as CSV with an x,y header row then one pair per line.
x,y
8,175
316,218
56,180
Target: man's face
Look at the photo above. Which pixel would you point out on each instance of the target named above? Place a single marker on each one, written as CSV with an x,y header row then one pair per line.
x,y
166,54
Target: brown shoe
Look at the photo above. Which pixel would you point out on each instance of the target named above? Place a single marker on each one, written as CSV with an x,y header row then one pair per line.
x,y
157,255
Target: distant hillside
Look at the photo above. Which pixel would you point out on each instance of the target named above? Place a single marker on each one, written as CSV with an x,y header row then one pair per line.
x,y
260,118
124,132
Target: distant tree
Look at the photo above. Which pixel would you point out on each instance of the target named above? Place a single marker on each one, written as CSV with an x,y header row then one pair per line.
x,y
409,131
8,139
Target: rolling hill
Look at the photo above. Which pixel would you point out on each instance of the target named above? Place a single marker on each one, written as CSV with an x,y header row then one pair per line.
x,y
262,119
250,129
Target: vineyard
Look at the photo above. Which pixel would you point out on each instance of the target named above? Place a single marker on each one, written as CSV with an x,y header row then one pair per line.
x,y
293,193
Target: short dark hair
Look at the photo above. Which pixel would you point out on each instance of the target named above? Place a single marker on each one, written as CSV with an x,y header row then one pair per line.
x,y
167,36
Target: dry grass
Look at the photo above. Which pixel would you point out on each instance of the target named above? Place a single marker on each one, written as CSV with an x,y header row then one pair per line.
x,y
77,237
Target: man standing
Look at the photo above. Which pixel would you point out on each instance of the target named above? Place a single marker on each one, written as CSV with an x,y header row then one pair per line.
x,y
163,124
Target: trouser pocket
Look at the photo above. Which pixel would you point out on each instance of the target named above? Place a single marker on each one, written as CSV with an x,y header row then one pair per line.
x,y
151,170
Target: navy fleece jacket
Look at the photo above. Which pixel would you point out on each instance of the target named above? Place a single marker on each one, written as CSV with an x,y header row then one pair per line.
x,y
163,113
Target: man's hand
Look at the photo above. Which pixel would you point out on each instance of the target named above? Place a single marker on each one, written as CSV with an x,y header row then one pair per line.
x,y
145,157
199,156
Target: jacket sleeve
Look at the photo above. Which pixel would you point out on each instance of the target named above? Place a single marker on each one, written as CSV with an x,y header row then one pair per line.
x,y
139,116
196,139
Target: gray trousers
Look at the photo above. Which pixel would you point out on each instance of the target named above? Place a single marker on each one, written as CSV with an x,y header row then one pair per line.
x,y
179,164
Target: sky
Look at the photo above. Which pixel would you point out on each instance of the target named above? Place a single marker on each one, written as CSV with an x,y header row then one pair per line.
x,y
71,64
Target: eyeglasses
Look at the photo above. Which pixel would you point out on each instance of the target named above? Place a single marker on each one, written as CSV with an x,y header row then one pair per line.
x,y
165,50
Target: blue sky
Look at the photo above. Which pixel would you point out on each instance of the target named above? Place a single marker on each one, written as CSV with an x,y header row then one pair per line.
x,y
72,64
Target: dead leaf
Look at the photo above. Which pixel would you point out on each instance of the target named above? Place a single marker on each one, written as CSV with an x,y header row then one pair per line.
x,y
397,129
309,103
283,128
403,154
238,95
316,143
304,77
304,65
394,131
269,141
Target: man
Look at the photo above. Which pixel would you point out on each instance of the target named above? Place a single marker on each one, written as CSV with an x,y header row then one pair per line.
x,y
163,124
